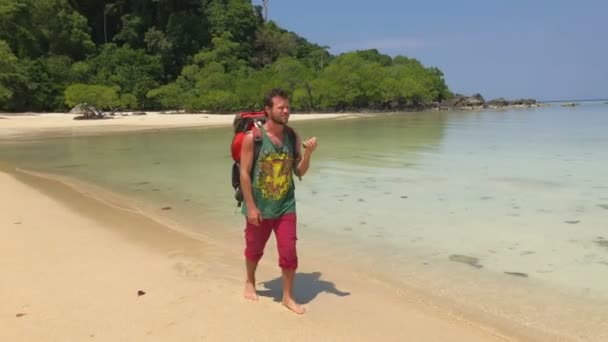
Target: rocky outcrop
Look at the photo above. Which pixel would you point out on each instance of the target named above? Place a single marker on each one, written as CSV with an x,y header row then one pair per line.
x,y
92,113
463,102
476,101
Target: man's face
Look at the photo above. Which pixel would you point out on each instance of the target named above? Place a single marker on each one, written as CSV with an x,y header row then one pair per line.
x,y
279,113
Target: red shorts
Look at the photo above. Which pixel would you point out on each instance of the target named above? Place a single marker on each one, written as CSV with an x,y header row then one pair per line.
x,y
285,232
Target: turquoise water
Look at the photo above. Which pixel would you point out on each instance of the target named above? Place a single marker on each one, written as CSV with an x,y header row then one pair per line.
x,y
519,191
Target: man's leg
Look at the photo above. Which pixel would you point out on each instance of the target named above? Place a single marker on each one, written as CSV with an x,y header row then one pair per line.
x,y
255,241
286,235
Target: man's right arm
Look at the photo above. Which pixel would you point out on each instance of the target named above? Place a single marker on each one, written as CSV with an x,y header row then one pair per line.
x,y
246,165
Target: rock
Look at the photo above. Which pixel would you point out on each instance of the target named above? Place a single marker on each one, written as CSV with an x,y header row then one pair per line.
x,y
517,274
139,113
461,101
601,242
92,113
166,208
500,102
79,109
140,293
20,314
465,259
569,104
573,222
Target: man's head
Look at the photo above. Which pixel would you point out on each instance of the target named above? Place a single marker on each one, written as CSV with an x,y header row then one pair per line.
x,y
276,106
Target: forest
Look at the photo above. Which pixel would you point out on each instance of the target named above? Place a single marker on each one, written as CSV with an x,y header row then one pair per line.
x,y
216,56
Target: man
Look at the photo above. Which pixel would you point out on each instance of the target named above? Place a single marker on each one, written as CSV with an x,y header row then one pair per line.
x,y
268,192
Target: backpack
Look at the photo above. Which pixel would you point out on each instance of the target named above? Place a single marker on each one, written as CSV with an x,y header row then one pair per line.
x,y
243,123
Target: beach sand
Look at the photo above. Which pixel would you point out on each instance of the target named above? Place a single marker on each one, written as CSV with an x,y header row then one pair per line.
x,y
73,266
62,124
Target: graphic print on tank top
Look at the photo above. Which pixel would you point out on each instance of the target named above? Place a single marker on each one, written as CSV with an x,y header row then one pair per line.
x,y
275,175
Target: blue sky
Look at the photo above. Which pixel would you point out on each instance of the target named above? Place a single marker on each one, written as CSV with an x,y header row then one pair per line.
x,y
500,48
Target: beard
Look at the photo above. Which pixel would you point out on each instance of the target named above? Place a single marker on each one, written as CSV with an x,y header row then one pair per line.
x,y
278,119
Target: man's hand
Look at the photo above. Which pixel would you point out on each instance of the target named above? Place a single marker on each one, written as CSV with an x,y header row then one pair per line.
x,y
309,145
254,216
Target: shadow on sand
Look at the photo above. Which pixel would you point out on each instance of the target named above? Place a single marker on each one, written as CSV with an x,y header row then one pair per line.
x,y
306,288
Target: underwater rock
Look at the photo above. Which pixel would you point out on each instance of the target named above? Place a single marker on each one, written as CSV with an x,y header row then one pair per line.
x,y
573,222
517,274
603,206
140,293
465,259
404,197
601,242
166,208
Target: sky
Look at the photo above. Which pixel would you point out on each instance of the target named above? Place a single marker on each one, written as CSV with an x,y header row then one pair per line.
x,y
541,49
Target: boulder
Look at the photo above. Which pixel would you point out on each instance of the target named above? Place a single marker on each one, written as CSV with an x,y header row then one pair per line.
x,y
79,109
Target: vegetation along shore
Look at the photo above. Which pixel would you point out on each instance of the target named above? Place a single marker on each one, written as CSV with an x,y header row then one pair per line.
x,y
196,56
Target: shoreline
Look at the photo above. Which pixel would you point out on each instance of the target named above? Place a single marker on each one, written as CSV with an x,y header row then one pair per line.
x,y
102,256
49,125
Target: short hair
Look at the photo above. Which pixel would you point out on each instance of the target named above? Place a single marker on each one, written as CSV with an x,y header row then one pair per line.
x,y
274,93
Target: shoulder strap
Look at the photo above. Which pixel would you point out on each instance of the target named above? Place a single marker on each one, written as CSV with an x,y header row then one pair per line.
x,y
294,141
294,147
257,145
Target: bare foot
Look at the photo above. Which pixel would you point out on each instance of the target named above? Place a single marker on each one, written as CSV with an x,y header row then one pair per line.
x,y
293,306
250,291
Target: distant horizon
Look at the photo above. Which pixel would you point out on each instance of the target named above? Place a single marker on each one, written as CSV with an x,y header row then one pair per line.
x,y
574,100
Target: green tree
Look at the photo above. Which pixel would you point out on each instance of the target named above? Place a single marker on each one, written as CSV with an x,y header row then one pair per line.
x,y
8,68
100,96
133,71
131,31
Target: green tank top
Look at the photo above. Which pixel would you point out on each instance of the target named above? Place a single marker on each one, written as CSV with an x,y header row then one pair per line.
x,y
272,178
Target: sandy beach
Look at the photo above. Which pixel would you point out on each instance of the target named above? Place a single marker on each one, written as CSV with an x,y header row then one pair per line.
x,y
77,268
61,124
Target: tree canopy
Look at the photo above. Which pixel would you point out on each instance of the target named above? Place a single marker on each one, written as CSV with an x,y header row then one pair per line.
x,y
198,55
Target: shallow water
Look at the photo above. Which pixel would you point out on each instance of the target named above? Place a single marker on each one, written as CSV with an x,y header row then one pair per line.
x,y
518,193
